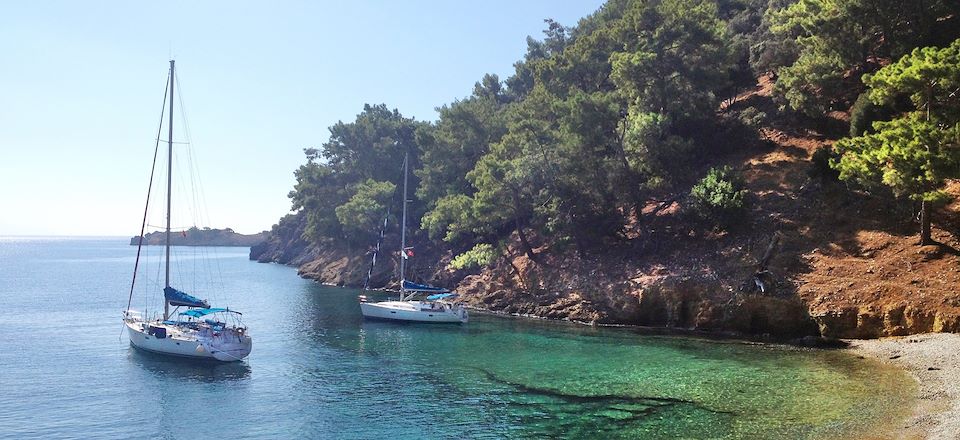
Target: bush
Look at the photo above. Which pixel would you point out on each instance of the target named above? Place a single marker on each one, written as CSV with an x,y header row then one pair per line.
x,y
753,118
719,196
820,164
481,255
864,113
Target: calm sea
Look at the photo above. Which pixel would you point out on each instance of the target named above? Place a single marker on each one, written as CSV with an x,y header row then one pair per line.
x,y
319,371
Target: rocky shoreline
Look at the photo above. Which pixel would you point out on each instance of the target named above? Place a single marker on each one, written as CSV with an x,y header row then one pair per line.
x,y
933,359
613,290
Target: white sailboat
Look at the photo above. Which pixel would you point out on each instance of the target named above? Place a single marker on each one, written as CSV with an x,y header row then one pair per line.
x,y
199,332
438,305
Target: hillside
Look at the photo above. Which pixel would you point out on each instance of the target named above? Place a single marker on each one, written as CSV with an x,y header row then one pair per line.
x,y
844,266
732,166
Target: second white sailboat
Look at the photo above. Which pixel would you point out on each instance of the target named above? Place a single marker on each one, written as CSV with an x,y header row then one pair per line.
x,y
435,304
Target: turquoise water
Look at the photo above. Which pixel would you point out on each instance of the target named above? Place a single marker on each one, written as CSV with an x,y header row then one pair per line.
x,y
319,371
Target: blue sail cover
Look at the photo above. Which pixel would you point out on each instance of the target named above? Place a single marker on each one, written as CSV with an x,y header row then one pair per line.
x,y
178,298
414,287
196,313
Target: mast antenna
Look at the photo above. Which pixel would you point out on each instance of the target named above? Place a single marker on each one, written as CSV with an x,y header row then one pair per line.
x,y
403,224
166,284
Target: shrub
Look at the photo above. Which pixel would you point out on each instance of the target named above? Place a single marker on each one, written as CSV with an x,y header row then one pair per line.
x,y
719,196
753,118
864,113
481,255
820,164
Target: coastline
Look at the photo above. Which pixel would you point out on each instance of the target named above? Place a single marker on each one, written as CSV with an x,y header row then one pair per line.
x,y
933,360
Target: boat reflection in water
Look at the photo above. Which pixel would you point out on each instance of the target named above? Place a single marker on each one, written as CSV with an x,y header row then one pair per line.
x,y
195,370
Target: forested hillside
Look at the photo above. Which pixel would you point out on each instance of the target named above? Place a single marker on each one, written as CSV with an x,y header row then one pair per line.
x,y
690,163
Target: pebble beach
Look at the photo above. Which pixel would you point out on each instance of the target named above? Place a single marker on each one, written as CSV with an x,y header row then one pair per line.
x,y
933,359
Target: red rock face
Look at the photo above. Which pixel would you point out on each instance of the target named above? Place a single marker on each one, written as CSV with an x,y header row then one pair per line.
x,y
661,301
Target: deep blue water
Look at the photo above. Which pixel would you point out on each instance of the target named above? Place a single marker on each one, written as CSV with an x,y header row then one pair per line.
x,y
319,371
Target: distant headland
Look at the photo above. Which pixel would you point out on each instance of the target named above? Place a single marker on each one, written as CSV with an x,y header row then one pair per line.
x,y
201,237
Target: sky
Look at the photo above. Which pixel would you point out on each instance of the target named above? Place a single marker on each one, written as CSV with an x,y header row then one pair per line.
x,y
81,85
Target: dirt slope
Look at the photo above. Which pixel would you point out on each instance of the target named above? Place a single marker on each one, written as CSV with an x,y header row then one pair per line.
x,y
846,263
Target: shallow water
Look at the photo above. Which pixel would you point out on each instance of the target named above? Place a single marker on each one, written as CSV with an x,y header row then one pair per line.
x,y
319,371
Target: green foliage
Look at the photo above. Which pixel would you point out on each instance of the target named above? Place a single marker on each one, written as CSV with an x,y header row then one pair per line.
x,y
652,149
364,211
595,117
463,133
317,189
360,149
744,22
930,76
676,58
719,196
506,178
834,38
286,226
914,153
810,82
451,219
864,113
767,50
674,61
599,117
911,155
333,188
481,255
751,117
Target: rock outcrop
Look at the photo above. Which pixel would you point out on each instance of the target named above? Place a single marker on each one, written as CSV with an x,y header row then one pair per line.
x,y
666,300
337,263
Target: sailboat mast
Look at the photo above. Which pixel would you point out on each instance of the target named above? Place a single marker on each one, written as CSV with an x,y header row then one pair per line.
x,y
403,225
166,304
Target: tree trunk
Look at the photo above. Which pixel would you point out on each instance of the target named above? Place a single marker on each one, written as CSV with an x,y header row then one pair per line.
x,y
633,181
527,249
578,238
523,283
768,254
925,235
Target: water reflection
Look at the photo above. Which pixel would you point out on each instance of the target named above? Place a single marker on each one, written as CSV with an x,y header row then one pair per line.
x,y
194,370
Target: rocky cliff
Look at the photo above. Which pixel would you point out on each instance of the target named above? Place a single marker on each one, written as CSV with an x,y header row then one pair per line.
x,y
697,282
329,261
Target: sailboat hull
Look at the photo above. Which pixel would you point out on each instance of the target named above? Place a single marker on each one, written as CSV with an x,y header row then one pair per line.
x,y
177,343
413,311
207,339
